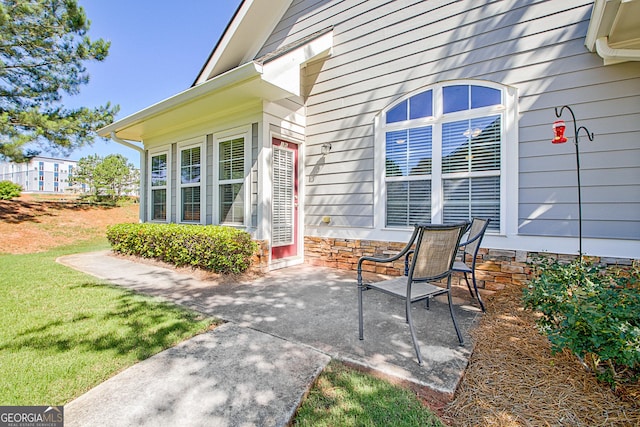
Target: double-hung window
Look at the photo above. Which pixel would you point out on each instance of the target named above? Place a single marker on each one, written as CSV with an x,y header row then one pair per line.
x,y
159,165
191,167
443,151
231,176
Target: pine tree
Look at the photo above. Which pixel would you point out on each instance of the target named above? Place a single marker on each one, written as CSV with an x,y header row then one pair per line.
x,y
43,46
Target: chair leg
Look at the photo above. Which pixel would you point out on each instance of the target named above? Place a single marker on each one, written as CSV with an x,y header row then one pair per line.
x,y
413,332
475,287
360,322
453,317
466,279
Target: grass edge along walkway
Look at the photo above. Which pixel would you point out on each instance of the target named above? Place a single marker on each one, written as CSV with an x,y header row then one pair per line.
x,y
63,332
345,396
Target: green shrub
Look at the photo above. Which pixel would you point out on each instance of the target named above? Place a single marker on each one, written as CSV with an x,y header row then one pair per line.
x,y
216,248
9,190
591,311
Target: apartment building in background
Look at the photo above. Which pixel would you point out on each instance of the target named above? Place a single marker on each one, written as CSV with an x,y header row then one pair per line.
x,y
42,175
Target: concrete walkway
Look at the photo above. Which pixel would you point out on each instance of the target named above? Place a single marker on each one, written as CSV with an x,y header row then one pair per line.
x,y
282,330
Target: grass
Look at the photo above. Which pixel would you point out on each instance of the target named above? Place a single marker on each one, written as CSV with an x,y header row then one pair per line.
x,y
63,332
346,397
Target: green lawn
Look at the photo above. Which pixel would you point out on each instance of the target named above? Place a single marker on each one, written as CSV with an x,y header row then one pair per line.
x,y
62,332
346,397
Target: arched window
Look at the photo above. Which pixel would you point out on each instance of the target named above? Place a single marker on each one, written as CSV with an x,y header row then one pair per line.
x,y
444,155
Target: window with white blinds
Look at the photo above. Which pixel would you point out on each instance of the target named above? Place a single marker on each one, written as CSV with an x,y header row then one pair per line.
x,y
159,177
231,181
190,184
443,151
408,165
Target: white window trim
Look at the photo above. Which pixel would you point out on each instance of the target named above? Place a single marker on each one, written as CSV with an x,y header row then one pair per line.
x,y
508,156
150,155
244,133
184,145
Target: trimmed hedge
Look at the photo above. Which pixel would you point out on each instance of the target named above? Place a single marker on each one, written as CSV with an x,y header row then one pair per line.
x,y
216,248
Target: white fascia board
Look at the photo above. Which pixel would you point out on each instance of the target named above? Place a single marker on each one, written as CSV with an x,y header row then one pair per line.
x,y
602,16
224,42
245,35
244,72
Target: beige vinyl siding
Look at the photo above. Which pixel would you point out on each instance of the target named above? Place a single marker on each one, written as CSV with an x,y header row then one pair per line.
x,y
386,49
286,118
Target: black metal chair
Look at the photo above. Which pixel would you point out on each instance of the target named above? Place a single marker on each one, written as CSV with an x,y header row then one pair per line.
x,y
431,260
471,247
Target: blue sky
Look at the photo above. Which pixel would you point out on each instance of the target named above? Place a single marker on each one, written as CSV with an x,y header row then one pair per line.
x,y
157,50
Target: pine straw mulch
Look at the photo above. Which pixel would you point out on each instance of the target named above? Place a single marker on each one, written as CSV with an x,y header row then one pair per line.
x,y
514,380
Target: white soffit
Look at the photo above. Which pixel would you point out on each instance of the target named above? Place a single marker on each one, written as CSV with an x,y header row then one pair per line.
x,y
614,30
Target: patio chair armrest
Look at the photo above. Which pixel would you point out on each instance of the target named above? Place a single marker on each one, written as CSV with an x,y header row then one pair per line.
x,y
402,253
380,260
476,237
406,262
376,260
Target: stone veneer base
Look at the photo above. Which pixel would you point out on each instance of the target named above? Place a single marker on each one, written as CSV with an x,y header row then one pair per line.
x,y
495,268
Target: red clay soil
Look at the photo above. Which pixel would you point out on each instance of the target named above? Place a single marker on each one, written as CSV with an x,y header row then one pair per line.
x,y
33,223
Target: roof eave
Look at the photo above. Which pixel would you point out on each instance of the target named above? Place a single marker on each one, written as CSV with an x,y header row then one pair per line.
x,y
613,32
237,75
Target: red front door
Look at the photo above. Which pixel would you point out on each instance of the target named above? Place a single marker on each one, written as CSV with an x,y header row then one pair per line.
x,y
284,206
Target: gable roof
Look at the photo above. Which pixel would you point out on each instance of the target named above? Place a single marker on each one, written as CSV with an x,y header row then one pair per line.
x,y
281,51
246,33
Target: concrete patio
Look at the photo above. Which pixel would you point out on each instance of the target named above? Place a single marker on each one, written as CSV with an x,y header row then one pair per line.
x,y
308,311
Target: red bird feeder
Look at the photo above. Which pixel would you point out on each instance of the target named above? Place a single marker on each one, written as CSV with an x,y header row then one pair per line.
x,y
558,129
559,138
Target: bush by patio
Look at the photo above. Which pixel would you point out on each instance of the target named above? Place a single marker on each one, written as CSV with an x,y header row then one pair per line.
x,y
216,248
591,311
